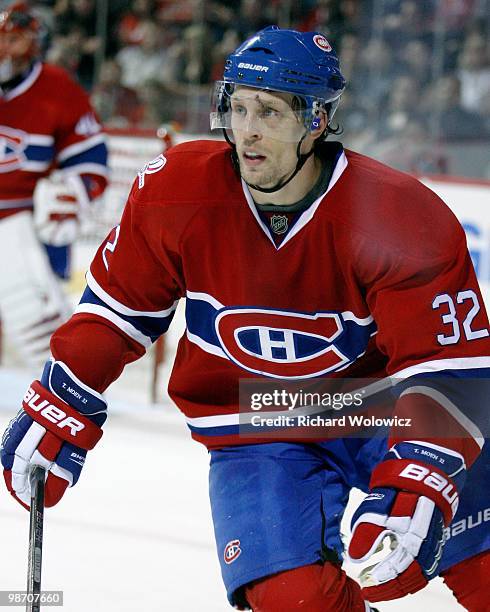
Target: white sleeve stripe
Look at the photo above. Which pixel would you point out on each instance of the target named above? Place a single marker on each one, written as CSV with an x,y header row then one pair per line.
x,y
121,308
41,140
35,166
86,168
350,316
123,325
205,297
461,363
206,346
81,147
217,420
453,410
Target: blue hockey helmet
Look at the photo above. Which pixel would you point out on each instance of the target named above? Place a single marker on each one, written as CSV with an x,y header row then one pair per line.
x,y
299,63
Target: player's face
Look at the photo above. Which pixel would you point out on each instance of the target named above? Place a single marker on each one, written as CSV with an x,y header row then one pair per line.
x,y
15,48
266,132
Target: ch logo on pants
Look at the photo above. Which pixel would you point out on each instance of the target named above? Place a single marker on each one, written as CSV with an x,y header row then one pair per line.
x,y
232,551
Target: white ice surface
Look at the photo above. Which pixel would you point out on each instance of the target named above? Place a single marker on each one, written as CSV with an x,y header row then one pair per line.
x,y
135,534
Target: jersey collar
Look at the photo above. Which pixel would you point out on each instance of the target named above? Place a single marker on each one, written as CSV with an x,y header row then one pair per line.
x,y
307,215
30,79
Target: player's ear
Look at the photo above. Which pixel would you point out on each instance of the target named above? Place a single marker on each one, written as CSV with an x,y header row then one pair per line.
x,y
319,124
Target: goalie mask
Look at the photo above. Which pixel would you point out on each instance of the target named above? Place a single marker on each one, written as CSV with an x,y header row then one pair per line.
x,y
19,40
300,67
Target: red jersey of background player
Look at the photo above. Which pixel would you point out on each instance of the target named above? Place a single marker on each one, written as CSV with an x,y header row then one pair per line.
x,y
40,131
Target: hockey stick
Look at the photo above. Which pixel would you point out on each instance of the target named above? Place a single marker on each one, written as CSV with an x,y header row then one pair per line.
x,y
36,478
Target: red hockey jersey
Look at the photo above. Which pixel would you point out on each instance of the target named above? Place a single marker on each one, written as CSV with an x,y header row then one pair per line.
x,y
373,277
45,122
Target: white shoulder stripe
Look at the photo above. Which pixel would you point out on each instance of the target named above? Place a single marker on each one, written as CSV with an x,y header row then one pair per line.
x,y
453,410
462,363
123,325
121,308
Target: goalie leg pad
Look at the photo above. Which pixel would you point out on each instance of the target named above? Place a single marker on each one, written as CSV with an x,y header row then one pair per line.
x,y
311,588
32,303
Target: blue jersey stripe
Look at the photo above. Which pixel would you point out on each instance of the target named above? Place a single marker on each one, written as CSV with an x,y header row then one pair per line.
x,y
153,327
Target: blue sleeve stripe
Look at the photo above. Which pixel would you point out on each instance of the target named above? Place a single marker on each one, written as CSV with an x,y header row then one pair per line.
x,y
123,325
462,393
439,365
150,327
39,153
94,155
81,147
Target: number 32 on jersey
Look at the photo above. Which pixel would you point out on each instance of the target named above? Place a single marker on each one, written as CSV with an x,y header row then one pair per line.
x,y
450,317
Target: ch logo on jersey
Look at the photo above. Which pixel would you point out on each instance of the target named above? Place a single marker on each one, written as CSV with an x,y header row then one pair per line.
x,y
155,165
12,149
281,344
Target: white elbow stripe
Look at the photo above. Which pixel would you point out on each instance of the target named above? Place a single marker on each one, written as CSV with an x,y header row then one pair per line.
x,y
438,365
123,325
451,408
121,308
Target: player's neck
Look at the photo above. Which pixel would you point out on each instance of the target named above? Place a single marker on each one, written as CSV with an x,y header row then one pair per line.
x,y
296,189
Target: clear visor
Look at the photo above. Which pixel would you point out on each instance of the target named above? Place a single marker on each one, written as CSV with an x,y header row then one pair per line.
x,y
271,114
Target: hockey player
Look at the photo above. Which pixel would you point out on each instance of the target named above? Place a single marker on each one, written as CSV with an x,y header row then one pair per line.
x,y
297,259
47,129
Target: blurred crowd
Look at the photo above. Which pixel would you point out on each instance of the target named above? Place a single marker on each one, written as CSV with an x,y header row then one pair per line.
x,y
418,72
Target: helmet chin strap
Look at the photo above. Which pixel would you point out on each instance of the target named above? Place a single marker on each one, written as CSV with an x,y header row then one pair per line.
x,y
302,158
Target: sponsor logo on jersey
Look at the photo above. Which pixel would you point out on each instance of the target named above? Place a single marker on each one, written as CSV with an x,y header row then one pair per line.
x,y
279,224
322,43
12,149
155,165
232,551
281,344
256,67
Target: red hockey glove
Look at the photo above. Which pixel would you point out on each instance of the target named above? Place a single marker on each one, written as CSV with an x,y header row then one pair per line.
x,y
48,431
410,504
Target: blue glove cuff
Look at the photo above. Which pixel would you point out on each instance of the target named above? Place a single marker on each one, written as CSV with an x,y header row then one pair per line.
x,y
60,380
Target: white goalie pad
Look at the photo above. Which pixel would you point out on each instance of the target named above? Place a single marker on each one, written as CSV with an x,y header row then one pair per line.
x,y
60,201
32,302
